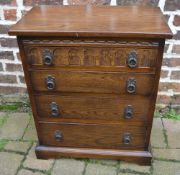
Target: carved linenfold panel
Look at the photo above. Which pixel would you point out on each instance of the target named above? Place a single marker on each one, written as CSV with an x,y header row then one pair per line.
x,y
61,53
74,56
118,58
92,56
146,58
33,53
105,57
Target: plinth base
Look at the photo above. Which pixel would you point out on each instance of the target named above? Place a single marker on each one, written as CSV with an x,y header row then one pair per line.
x,y
139,157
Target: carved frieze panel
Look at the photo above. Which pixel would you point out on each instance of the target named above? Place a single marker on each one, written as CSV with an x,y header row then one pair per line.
x,y
92,56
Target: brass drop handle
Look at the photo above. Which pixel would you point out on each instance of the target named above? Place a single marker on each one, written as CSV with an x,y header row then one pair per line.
x,y
131,85
132,59
128,112
127,138
50,82
58,136
47,57
54,109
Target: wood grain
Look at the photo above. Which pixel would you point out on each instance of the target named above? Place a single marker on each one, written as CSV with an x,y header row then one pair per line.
x,y
91,135
92,56
89,81
140,157
97,21
93,107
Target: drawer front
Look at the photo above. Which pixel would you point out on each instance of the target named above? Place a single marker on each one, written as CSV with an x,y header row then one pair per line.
x,y
93,107
91,135
96,82
92,56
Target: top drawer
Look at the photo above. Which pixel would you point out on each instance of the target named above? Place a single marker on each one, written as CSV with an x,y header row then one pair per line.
x,y
94,55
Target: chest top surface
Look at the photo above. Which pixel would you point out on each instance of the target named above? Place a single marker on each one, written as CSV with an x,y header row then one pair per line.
x,y
93,21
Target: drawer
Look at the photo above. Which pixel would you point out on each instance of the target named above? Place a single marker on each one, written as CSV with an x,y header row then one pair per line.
x,y
93,107
130,57
91,135
96,82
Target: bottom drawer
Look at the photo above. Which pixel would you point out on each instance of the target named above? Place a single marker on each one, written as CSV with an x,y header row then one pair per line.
x,y
114,136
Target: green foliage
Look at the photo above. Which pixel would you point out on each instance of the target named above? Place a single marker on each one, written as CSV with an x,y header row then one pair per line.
x,y
3,144
9,107
3,120
166,112
171,114
18,106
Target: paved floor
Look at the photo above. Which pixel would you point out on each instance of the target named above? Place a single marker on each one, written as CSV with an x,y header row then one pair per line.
x,y
18,139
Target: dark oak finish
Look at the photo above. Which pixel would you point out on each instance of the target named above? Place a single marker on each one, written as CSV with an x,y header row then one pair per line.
x,y
92,135
87,81
92,78
93,107
142,157
98,21
90,56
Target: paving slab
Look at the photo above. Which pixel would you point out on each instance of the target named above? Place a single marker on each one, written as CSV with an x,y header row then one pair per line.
x,y
173,132
30,133
166,168
68,166
9,163
16,98
38,164
168,154
157,136
2,114
14,126
104,161
134,167
27,172
17,146
98,169
3,118
108,162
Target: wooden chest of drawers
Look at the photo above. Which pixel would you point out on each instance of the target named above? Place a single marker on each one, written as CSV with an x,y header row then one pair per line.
x,y
92,76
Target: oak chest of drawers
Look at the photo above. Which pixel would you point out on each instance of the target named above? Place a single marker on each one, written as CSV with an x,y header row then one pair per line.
x,y
92,76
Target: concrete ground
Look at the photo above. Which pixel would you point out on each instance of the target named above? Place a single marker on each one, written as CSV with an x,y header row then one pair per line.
x,y
18,139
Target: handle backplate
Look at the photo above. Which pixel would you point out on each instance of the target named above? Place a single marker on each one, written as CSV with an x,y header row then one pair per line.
x,y
54,109
128,112
132,59
50,82
131,85
127,138
58,136
47,57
